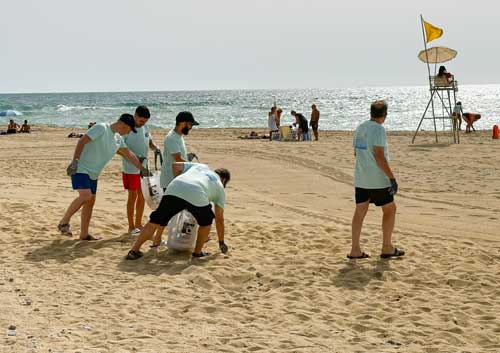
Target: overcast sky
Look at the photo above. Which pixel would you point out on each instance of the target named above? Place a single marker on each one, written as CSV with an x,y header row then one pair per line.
x,y
129,45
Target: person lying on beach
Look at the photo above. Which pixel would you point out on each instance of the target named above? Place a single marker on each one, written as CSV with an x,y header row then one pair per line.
x,y
75,135
12,128
93,151
193,189
25,128
373,181
470,119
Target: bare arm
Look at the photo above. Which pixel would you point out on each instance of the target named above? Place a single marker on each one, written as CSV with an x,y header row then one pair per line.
x,y
125,153
177,168
79,146
219,222
378,152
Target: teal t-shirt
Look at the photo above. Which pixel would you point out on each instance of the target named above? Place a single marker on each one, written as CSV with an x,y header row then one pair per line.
x,y
138,143
198,185
367,173
99,151
174,143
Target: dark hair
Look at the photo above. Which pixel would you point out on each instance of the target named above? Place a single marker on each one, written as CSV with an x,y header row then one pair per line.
x,y
378,109
142,111
26,121
442,70
223,174
293,112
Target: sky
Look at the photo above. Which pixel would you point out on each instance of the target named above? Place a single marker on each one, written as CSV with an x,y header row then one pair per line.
x,y
156,45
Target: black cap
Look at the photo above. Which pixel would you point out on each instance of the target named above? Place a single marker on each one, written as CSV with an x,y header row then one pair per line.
x,y
129,120
185,117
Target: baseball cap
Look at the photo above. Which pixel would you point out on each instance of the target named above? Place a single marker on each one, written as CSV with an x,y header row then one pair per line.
x,y
186,117
129,120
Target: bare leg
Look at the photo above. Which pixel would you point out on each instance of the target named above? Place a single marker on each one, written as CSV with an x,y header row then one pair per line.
x,y
139,209
202,238
388,220
315,132
132,197
146,234
84,195
86,215
357,224
157,238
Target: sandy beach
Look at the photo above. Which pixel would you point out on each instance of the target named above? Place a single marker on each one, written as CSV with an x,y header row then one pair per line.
x,y
285,285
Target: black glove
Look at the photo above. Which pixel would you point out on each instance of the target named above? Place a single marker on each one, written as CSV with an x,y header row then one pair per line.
x,y
192,156
223,247
73,166
393,190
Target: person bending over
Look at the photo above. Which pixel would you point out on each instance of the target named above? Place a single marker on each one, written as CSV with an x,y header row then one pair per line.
x,y
194,188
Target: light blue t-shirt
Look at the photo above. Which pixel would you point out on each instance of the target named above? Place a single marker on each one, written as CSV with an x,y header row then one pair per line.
x,y
99,151
174,143
198,185
367,173
138,143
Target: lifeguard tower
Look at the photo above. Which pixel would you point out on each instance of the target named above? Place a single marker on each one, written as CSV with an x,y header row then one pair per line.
x,y
443,89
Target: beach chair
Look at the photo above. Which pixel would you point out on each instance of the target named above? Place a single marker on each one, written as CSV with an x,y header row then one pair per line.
x,y
286,133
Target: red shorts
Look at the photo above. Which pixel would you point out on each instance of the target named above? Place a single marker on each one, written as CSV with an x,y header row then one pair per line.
x,y
131,181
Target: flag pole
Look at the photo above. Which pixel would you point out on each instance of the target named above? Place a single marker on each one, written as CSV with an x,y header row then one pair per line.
x,y
425,46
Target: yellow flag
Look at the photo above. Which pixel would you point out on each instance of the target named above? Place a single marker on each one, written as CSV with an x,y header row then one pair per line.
x,y
432,32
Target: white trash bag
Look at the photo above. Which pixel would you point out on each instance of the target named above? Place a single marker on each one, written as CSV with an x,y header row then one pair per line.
x,y
150,186
182,232
152,190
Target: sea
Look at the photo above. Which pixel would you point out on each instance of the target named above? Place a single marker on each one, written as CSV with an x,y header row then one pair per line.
x,y
341,108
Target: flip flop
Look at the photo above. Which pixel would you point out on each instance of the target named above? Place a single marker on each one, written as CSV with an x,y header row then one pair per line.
x,y
363,256
90,238
65,229
134,255
397,252
200,255
134,231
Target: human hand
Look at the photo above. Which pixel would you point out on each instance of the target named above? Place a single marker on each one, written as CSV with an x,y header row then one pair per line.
x,y
145,173
223,247
141,159
192,156
394,187
72,168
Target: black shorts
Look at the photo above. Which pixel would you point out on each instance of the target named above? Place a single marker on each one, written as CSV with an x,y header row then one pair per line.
x,y
379,197
314,125
171,205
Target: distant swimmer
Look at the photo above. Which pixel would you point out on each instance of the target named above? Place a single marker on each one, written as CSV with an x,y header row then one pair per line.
x,y
194,188
93,151
373,181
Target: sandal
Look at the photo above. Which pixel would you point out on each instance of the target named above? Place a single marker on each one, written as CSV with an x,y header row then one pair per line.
x,y
201,254
363,256
397,252
134,255
65,229
90,238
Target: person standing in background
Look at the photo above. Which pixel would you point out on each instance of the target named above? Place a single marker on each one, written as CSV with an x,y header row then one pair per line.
x,y
314,121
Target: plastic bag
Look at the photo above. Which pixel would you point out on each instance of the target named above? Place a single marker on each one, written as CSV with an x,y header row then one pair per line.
x,y
152,190
182,232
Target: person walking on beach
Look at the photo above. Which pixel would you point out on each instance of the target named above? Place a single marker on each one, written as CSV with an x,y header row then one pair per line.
x,y
374,181
174,150
314,121
93,151
195,187
457,115
138,143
